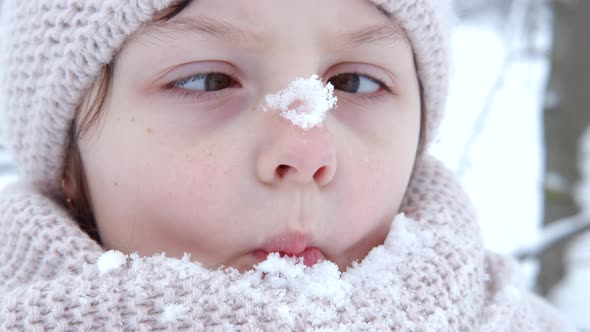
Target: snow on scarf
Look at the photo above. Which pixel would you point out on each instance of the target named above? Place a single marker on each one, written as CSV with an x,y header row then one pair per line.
x,y
431,274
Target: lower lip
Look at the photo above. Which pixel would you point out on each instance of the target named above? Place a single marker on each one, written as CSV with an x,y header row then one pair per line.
x,y
310,255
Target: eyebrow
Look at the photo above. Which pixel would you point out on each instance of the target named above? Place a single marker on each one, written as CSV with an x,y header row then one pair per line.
x,y
204,25
374,34
381,33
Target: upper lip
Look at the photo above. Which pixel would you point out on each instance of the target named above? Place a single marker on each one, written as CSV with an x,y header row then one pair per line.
x,y
289,243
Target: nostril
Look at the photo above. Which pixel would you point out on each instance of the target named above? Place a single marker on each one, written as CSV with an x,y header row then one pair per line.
x,y
282,170
320,174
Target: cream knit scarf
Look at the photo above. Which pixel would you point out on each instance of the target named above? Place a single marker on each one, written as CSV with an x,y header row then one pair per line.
x,y
431,274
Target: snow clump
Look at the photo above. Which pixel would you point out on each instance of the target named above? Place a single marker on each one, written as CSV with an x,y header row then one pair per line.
x,y
110,260
304,102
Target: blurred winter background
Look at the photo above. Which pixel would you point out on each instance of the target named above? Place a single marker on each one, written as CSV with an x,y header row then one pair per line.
x,y
515,134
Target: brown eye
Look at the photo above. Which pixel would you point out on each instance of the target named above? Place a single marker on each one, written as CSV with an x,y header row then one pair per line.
x,y
355,83
214,82
205,82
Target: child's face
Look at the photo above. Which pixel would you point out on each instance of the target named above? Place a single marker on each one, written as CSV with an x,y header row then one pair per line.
x,y
173,168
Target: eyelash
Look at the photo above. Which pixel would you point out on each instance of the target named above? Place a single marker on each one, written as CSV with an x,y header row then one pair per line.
x,y
171,89
202,96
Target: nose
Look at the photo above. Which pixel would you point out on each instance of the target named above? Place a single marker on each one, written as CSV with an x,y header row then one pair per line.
x,y
290,154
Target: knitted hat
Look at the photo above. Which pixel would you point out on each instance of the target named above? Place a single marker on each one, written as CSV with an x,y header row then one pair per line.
x,y
52,52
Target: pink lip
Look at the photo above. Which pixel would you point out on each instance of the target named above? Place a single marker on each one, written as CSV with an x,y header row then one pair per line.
x,y
291,245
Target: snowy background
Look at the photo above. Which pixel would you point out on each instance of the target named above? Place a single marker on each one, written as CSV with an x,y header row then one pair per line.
x,y
493,139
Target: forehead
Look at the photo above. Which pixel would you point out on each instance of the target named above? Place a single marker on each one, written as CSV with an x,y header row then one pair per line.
x,y
340,23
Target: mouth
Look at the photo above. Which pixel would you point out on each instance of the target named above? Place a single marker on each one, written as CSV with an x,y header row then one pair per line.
x,y
290,245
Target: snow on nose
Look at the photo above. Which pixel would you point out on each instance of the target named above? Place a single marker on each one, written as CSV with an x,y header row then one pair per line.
x,y
304,102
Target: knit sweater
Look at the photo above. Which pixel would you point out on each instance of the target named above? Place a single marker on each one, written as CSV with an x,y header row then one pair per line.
x,y
431,274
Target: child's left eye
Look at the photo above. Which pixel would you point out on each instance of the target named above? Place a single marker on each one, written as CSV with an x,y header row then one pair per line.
x,y
356,83
205,82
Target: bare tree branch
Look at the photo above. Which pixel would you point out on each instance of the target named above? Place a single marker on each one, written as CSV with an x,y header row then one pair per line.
x,y
553,234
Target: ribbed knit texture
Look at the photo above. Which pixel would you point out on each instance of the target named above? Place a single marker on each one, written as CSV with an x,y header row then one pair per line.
x,y
431,274
52,52
428,26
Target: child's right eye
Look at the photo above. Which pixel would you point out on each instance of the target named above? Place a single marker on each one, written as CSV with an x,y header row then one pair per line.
x,y
205,82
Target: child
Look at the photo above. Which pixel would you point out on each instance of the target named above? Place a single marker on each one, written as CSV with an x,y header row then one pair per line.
x,y
273,150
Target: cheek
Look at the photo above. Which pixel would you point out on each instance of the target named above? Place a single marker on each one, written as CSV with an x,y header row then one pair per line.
x,y
198,186
379,186
150,193
375,169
